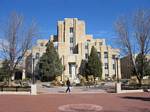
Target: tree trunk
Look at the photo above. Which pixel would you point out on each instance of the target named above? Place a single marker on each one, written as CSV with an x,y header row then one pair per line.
x,y
12,74
140,81
9,81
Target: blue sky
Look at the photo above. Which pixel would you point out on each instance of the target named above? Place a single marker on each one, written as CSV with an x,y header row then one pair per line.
x,y
99,15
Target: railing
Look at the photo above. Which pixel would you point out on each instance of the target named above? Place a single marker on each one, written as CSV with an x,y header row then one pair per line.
x,y
15,88
135,86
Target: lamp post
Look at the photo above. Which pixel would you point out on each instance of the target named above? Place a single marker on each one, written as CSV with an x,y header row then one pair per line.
x,y
118,84
33,85
117,75
33,75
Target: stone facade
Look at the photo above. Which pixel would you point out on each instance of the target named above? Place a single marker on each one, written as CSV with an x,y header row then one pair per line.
x,y
35,53
74,45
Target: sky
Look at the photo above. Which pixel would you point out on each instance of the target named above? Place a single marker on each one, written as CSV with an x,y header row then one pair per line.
x,y
99,15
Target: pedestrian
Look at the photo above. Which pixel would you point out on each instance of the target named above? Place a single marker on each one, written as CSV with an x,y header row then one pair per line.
x,y
68,85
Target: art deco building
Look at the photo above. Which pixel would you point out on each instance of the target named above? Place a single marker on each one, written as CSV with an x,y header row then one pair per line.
x,y
74,45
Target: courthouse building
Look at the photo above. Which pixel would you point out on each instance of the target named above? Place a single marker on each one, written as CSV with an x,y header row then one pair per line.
x,y
74,45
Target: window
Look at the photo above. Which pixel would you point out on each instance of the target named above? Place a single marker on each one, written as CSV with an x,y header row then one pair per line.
x,y
113,56
86,46
41,44
71,49
100,43
99,55
86,56
70,69
40,65
106,65
114,66
88,40
95,43
105,54
37,55
71,29
71,39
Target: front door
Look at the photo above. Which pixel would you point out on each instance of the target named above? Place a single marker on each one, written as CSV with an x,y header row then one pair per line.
x,y
72,70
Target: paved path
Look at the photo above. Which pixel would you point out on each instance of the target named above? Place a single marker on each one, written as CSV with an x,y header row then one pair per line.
x,y
73,90
135,102
83,89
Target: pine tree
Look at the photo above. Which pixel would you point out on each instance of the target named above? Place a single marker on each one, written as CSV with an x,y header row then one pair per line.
x,y
50,65
94,66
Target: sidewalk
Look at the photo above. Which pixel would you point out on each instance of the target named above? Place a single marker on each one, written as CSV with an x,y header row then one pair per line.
x,y
75,90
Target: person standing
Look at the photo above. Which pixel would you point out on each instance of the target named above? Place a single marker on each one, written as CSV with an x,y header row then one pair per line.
x,y
68,86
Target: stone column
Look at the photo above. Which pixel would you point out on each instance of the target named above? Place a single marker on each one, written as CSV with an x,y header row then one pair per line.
x,y
23,74
118,87
33,89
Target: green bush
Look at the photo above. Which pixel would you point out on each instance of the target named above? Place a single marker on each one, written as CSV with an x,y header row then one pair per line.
x,y
83,80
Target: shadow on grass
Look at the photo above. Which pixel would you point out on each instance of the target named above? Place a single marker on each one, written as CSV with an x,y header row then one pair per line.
x,y
137,98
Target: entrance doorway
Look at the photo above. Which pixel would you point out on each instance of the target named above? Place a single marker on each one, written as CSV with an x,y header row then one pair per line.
x,y
72,70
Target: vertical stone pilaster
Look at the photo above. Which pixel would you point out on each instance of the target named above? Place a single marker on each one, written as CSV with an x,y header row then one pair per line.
x,y
23,74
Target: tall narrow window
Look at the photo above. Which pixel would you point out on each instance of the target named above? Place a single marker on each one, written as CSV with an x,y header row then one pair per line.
x,y
99,55
70,71
71,50
105,54
106,65
113,56
71,29
86,46
86,56
71,39
114,67
37,55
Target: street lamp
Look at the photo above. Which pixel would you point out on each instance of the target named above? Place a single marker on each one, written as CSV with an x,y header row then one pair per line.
x,y
33,75
117,73
118,84
33,85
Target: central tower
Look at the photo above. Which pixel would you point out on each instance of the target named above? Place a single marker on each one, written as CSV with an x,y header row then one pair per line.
x,y
69,34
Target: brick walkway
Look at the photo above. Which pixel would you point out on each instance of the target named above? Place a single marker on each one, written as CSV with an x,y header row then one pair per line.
x,y
135,102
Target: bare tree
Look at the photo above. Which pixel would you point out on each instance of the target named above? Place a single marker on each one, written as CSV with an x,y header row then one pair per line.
x,y
134,36
17,39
